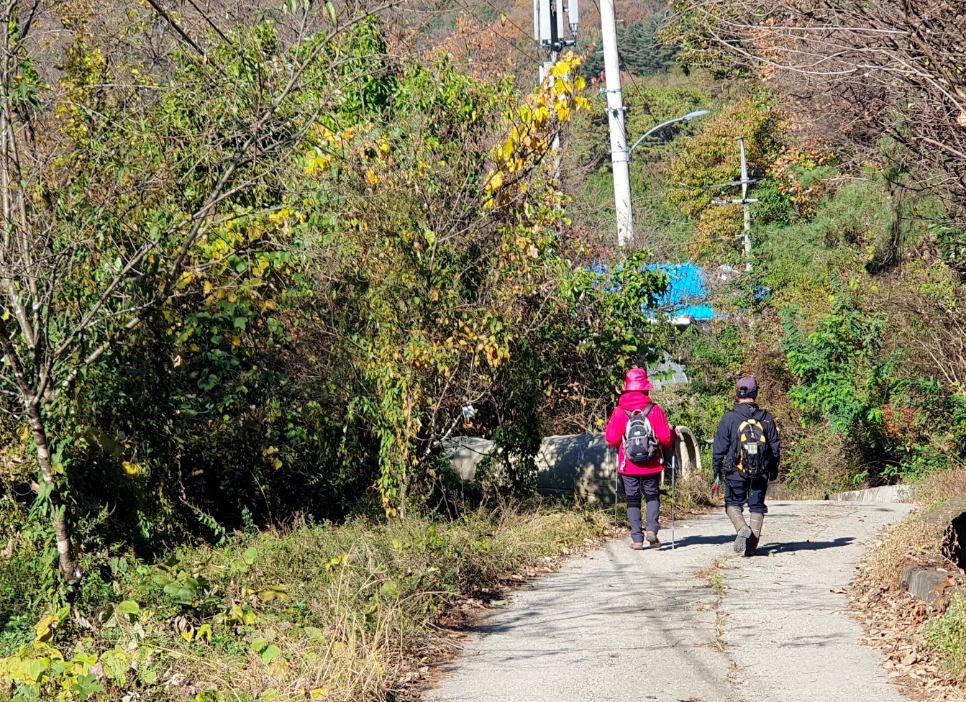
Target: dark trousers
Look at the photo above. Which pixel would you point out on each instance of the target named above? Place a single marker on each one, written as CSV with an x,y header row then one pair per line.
x,y
739,489
650,487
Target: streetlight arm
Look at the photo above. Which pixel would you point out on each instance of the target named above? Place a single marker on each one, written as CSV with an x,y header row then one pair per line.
x,y
686,118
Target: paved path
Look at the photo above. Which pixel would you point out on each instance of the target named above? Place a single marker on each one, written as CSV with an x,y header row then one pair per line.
x,y
627,625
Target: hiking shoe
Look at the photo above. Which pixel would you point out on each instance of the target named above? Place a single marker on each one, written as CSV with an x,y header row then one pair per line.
x,y
741,540
652,539
757,519
751,546
638,546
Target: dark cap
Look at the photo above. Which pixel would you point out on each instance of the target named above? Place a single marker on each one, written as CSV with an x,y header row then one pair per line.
x,y
747,388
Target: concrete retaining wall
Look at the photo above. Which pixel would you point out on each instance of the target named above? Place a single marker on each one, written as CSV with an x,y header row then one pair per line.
x,y
581,464
887,494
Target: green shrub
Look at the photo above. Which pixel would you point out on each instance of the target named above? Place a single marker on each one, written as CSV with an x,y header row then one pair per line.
x,y
947,635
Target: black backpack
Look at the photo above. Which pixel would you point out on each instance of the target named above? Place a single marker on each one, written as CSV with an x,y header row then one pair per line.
x,y
751,452
640,443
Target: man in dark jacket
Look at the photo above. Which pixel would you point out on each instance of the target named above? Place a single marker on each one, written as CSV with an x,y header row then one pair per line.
x,y
742,425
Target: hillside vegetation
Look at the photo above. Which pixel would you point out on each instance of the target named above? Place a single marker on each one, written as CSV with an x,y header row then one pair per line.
x,y
848,315
260,262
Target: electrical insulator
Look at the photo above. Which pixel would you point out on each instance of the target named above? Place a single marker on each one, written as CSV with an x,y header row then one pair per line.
x,y
573,16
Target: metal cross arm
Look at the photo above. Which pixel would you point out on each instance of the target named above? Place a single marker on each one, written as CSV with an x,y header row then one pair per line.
x,y
726,185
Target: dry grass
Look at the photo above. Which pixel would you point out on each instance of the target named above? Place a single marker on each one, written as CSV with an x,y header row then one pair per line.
x,y
374,618
349,613
936,488
902,544
690,496
921,643
907,542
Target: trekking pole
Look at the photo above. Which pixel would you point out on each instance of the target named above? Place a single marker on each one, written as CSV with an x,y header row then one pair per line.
x,y
674,477
617,477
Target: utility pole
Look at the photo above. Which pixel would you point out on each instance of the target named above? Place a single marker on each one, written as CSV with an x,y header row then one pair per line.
x,y
548,30
745,201
619,153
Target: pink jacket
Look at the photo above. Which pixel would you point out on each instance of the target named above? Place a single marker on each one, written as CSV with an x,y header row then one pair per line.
x,y
618,424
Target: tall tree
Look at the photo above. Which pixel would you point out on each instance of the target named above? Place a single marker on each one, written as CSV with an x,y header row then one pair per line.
x,y
123,153
892,67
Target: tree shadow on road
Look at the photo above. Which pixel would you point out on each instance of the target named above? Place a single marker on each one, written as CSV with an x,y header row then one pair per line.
x,y
768,549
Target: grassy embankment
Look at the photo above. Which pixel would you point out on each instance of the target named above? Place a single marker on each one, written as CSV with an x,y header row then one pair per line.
x,y
351,612
925,644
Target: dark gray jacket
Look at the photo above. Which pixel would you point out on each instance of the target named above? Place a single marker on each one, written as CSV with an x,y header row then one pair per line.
x,y
724,438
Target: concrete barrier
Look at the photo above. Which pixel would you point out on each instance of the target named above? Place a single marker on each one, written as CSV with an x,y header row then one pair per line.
x,y
887,494
581,464
465,453
578,464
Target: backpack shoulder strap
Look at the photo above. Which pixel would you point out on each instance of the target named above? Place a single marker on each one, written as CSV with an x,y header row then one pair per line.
x,y
647,410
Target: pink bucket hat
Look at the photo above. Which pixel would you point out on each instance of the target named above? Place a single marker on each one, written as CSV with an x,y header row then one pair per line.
x,y
636,381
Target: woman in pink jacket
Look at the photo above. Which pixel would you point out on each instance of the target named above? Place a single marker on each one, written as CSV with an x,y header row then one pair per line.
x,y
644,477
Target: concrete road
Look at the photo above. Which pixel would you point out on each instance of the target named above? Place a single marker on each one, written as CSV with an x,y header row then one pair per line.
x,y
630,625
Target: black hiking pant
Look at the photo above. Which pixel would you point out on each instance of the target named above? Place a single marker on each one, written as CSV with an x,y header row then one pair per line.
x,y
739,489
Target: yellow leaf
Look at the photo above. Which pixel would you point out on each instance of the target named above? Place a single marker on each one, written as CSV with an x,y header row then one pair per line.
x,y
319,692
45,628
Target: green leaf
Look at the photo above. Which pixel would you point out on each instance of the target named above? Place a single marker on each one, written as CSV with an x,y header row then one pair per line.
x,y
129,607
37,667
259,645
250,555
314,634
116,664
270,654
390,589
87,686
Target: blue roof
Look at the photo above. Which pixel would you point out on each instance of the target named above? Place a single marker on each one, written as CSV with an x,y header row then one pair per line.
x,y
687,291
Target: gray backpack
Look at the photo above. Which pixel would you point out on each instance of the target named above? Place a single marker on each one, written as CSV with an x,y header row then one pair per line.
x,y
640,443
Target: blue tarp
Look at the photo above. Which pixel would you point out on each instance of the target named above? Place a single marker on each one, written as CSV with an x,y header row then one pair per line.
x,y
686,291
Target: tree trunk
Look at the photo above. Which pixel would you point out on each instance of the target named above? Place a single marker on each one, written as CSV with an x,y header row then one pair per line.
x,y
69,569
